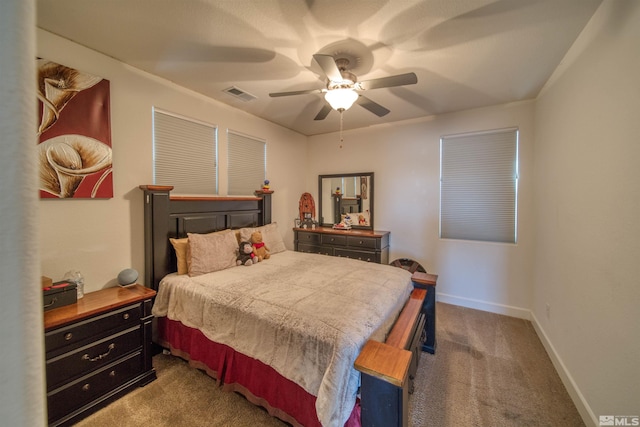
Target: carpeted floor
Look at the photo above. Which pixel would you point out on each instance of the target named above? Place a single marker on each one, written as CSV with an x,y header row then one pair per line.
x,y
488,370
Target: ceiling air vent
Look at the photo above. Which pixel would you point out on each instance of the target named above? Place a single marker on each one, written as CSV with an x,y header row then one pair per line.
x,y
239,93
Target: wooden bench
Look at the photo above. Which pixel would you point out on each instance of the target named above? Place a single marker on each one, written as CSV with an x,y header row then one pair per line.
x,y
388,368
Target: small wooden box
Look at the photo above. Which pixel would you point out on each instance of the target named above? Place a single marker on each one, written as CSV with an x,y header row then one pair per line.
x,y
46,282
59,294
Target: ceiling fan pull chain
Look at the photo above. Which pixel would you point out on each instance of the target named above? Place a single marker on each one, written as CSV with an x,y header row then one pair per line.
x,y
341,112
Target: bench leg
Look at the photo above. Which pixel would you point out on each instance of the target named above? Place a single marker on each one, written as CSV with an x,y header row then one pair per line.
x,y
429,309
383,404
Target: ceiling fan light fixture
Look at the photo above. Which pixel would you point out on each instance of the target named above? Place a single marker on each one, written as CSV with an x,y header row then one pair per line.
x,y
341,99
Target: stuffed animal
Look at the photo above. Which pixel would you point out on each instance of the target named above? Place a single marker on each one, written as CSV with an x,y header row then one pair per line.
x,y
260,250
246,255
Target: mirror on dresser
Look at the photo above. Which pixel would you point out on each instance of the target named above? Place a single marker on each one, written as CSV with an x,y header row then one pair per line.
x,y
346,193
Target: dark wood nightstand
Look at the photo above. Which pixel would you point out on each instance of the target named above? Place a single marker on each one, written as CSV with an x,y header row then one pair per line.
x,y
97,350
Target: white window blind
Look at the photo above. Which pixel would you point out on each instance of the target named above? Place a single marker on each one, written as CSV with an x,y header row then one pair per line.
x,y
478,186
184,154
246,163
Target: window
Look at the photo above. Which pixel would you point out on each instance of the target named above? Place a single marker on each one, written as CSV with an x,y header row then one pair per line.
x,y
247,163
478,186
185,154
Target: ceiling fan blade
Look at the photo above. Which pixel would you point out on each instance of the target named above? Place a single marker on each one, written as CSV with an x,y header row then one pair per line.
x,y
328,65
295,92
391,81
322,114
372,106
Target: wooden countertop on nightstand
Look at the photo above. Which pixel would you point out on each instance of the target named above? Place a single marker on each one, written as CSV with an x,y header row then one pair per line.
x,y
96,302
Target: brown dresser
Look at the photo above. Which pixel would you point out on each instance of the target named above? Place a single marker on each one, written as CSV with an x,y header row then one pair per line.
x,y
97,350
365,245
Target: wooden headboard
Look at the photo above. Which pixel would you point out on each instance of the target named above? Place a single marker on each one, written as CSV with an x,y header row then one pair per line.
x,y
167,216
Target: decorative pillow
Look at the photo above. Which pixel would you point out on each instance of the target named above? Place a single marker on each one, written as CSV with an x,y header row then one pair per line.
x,y
211,252
181,246
270,236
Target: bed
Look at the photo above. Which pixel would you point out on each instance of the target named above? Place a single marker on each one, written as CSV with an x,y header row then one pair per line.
x,y
284,332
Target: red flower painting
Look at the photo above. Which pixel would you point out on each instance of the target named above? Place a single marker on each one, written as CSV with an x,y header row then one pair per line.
x,y
74,146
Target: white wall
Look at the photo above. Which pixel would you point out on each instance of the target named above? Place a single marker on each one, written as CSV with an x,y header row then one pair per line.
x,y
102,237
405,159
587,201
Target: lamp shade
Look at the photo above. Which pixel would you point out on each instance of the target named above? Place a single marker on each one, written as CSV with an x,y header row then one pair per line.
x,y
341,99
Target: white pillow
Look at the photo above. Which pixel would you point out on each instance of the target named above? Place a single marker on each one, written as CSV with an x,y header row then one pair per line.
x,y
211,252
270,236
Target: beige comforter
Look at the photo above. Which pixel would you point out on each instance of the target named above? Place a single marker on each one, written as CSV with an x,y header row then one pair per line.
x,y
305,315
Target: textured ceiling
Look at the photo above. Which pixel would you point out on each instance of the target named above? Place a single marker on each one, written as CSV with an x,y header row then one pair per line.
x,y
466,53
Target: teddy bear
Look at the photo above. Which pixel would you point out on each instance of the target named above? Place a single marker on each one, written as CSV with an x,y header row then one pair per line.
x,y
260,250
245,254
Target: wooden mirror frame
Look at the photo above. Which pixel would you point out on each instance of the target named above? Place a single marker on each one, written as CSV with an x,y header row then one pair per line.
x,y
330,198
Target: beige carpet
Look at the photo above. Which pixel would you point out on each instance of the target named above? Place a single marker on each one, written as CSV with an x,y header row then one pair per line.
x,y
488,370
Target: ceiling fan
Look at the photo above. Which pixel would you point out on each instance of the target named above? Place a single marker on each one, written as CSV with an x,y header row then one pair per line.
x,y
343,86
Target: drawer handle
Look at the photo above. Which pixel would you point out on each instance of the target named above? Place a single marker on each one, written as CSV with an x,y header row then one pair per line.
x,y
68,336
360,242
86,387
112,374
53,301
101,356
125,316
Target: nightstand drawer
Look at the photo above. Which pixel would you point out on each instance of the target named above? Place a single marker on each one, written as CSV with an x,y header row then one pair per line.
x,y
90,329
91,357
75,395
362,242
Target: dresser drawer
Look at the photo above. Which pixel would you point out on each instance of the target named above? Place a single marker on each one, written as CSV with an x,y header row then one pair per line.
x,y
308,238
75,395
363,242
332,239
311,249
91,357
64,339
353,254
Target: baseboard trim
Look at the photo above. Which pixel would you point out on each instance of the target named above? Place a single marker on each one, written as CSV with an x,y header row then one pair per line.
x,y
491,307
582,406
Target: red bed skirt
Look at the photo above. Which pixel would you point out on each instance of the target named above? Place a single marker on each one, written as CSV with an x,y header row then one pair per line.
x,y
258,382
